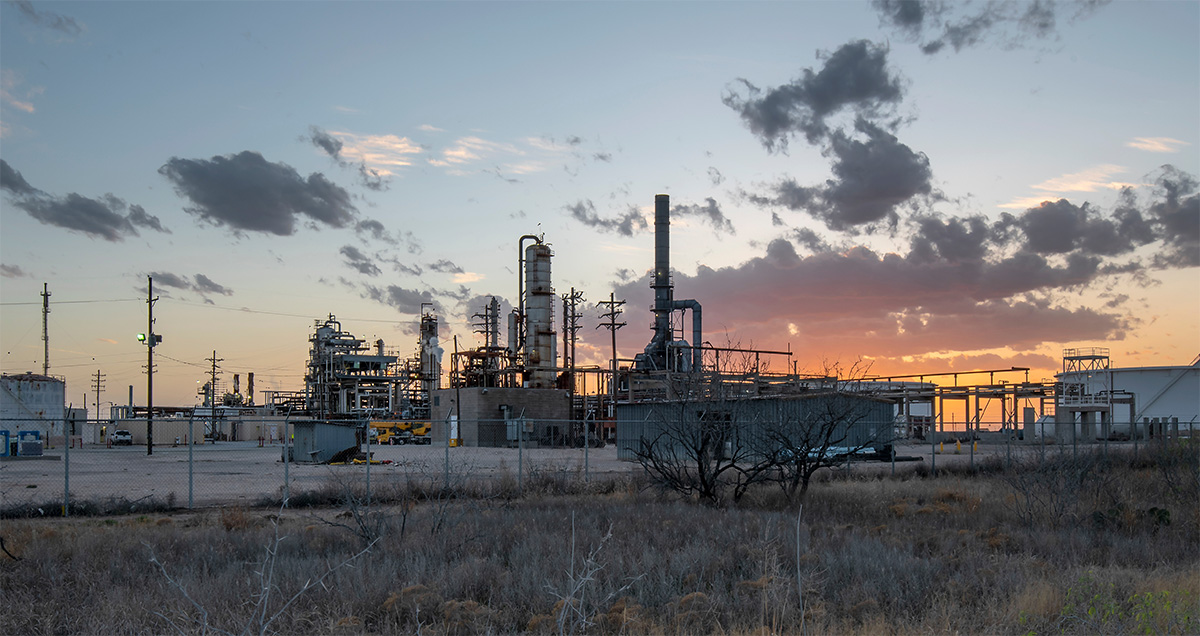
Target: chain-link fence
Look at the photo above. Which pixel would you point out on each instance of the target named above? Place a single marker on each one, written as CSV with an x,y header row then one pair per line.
x,y
105,466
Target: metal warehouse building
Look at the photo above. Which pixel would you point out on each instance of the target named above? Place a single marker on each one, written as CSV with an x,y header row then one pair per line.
x,y
865,421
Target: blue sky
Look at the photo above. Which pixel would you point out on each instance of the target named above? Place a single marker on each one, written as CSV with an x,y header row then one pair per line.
x,y
849,179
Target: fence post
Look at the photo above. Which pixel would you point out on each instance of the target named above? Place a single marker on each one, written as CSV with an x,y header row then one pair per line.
x,y
587,442
367,428
520,452
191,441
66,465
287,457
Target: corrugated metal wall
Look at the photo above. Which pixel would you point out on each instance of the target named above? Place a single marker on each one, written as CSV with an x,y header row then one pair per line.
x,y
870,421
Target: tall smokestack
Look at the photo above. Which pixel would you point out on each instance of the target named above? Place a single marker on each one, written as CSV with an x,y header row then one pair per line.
x,y
662,271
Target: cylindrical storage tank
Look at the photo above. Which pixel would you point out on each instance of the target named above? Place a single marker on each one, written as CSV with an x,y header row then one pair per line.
x,y
540,337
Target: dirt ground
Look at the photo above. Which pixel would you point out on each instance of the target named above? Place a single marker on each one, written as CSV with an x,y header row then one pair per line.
x,y
243,472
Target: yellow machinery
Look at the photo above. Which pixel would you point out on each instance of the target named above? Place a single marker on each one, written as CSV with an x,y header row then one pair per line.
x,y
402,431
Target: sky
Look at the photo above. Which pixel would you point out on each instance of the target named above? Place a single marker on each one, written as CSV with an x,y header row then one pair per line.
x,y
922,186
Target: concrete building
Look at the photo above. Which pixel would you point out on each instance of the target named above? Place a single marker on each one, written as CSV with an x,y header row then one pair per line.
x,y
33,402
486,416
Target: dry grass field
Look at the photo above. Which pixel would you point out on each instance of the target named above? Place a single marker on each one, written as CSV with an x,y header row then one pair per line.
x,y
1091,545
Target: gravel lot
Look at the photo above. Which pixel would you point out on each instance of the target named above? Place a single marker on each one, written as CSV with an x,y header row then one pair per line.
x,y
243,472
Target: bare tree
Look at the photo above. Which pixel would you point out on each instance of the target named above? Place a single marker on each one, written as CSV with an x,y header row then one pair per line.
x,y
713,439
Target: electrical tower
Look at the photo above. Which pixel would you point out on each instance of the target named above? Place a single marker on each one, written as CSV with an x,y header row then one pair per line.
x,y
614,312
212,382
46,329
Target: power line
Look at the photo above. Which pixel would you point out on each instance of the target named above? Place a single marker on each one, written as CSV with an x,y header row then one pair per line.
x,y
74,302
277,313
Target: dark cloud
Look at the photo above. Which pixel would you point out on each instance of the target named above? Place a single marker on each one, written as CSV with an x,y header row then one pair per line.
x,y
325,141
371,179
407,301
167,279
709,212
12,181
205,285
444,266
49,19
574,141
201,284
1176,212
715,176
1060,227
104,217
245,192
375,229
359,261
860,301
953,240
855,77
810,240
871,179
138,216
13,271
602,156
937,25
1170,216
625,224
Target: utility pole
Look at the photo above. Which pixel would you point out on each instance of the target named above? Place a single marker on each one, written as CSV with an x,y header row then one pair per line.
x,y
212,396
46,329
97,384
151,340
571,327
614,312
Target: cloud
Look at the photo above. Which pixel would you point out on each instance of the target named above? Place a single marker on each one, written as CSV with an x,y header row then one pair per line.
x,y
1157,144
624,224
12,181
10,81
936,25
205,285
1060,227
855,78
444,266
359,261
1170,215
370,178
49,19
325,141
871,179
606,157
98,218
406,301
201,284
888,304
1175,211
715,176
13,271
469,149
429,128
245,192
709,212
1091,180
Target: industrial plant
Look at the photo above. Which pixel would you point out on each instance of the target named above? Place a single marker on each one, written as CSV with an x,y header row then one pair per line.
x,y
526,388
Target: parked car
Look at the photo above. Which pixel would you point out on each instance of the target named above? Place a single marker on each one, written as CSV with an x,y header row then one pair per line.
x,y
120,438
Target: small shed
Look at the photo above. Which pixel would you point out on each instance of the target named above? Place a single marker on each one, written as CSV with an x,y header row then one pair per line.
x,y
317,441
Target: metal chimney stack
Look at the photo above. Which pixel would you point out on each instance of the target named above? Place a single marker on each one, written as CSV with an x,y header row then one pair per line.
x,y
662,279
